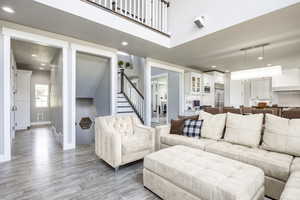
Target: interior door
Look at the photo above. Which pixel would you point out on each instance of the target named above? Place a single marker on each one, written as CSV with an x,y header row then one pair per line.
x,y
12,96
22,100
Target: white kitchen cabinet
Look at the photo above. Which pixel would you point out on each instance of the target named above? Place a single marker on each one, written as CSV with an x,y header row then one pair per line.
x,y
22,99
193,83
208,84
261,88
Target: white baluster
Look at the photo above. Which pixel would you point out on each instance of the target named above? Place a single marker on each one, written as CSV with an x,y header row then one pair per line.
x,y
166,18
134,9
154,14
126,7
143,11
121,6
160,15
139,9
110,4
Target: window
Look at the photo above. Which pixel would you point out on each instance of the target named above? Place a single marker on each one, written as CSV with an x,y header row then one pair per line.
x,y
41,96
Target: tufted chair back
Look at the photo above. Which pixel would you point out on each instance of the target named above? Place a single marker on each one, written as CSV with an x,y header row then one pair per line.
x,y
122,124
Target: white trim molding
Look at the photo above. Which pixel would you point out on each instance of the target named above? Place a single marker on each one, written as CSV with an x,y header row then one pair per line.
x,y
41,123
148,93
5,46
39,39
98,51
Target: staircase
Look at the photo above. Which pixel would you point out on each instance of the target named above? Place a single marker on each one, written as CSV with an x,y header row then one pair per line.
x,y
129,100
123,106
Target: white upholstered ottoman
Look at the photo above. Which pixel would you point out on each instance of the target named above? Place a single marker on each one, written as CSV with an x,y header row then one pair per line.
x,y
183,173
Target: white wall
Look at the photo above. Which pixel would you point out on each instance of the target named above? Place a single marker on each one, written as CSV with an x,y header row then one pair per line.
x,y
90,70
236,93
290,99
138,64
1,95
219,14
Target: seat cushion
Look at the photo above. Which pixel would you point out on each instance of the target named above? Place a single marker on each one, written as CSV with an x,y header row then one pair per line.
x,y
213,125
135,144
292,188
198,143
206,175
295,165
275,165
244,129
282,135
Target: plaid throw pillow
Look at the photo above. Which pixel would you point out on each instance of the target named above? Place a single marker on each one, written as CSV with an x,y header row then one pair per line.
x,y
192,128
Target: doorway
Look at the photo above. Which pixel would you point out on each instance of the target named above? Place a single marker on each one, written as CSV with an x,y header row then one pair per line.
x,y
93,94
36,89
166,101
159,88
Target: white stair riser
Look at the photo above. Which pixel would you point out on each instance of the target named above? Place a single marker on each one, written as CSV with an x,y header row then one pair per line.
x,y
126,114
120,95
125,109
123,104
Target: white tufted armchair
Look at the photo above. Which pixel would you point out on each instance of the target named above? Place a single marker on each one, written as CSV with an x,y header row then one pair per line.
x,y
122,139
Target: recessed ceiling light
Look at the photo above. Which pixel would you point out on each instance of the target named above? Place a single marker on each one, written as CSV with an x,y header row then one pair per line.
x,y
122,53
42,68
33,55
227,71
8,9
213,66
43,64
269,65
260,58
124,43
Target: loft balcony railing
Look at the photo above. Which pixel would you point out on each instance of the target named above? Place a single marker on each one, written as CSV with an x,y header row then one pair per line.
x,y
150,13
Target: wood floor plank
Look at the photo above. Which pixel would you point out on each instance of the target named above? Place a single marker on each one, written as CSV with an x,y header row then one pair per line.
x,y
40,170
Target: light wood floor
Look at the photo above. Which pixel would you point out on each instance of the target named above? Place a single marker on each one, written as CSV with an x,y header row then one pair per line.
x,y
41,170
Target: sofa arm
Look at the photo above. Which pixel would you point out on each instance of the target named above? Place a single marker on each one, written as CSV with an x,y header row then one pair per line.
x,y
159,131
292,187
148,132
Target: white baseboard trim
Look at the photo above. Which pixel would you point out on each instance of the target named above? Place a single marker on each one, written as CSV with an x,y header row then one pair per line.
x,y
4,158
40,123
68,147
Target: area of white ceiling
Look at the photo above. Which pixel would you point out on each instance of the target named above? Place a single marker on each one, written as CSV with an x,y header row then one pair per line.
x,y
33,56
280,28
217,15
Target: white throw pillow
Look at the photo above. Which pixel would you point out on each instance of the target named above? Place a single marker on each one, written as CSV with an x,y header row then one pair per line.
x,y
282,135
213,125
244,129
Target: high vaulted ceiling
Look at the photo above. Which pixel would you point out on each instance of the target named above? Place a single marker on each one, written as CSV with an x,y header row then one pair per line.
x,y
280,28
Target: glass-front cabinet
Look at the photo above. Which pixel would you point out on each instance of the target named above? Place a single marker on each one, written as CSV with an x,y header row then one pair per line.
x,y
193,82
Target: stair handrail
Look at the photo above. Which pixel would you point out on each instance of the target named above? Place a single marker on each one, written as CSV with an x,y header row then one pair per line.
x,y
136,110
131,83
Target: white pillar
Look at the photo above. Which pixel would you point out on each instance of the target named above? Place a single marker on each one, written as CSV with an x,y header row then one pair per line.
x,y
114,83
69,139
147,102
5,139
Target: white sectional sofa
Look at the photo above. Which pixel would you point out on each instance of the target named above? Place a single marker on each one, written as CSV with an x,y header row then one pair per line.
x,y
273,147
